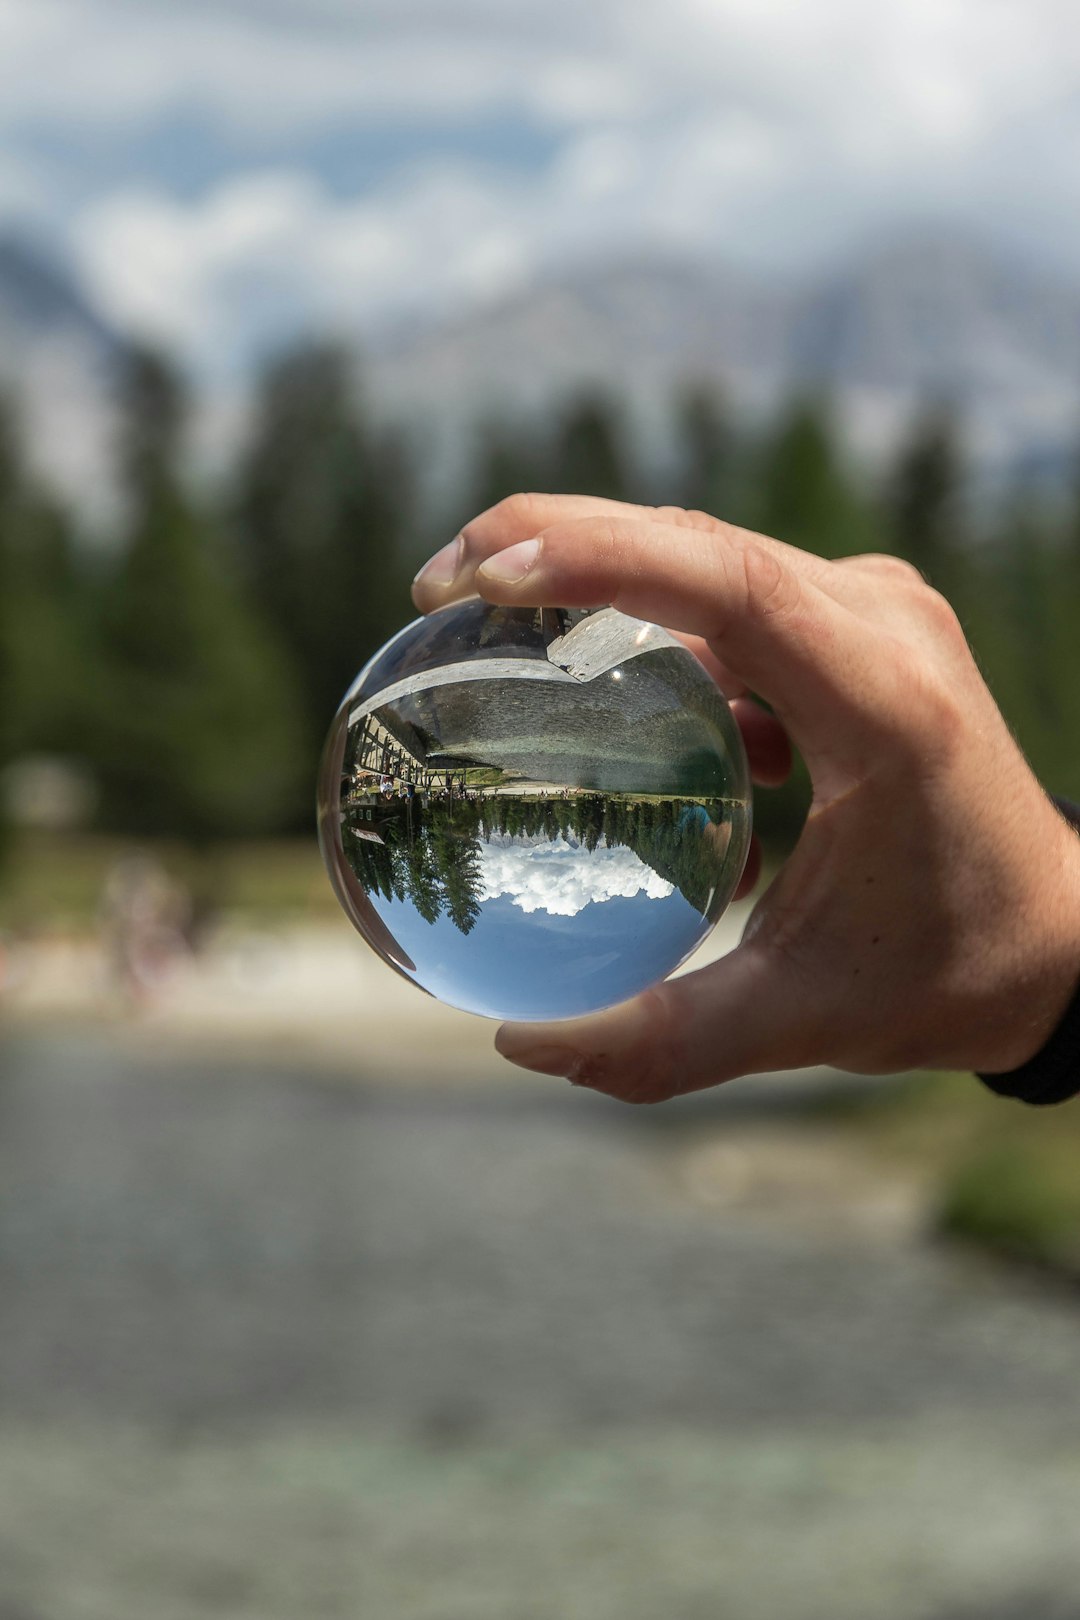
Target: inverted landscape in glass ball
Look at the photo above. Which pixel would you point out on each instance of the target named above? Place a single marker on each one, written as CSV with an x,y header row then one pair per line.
x,y
533,813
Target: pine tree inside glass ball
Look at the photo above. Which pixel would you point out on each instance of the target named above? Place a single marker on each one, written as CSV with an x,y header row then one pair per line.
x,y
534,813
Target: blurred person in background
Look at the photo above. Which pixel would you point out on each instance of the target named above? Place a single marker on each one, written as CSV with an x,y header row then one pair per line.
x,y
145,920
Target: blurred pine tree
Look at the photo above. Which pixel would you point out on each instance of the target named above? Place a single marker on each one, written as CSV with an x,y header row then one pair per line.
x,y
196,727
587,453
924,518
322,504
46,660
8,705
508,459
1024,629
710,473
804,493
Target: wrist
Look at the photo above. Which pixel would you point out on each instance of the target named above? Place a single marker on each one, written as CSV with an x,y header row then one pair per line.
x,y
1048,977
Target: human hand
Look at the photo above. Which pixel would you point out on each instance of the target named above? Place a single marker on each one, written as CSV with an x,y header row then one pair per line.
x,y
930,913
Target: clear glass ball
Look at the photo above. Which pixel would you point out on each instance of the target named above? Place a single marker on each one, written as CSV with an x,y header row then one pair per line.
x,y
533,813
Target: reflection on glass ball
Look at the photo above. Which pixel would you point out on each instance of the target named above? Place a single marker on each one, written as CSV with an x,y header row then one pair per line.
x,y
533,813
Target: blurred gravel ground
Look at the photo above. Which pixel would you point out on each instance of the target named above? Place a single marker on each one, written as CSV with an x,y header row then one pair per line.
x,y
314,990
903,1520
273,1345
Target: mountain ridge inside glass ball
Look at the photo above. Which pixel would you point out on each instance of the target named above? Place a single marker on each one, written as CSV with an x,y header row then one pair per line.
x,y
533,813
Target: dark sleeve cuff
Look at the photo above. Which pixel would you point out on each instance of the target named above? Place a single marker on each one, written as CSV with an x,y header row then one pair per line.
x,y
1053,1074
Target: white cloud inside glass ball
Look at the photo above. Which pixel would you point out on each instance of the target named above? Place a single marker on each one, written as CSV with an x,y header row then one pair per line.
x,y
562,877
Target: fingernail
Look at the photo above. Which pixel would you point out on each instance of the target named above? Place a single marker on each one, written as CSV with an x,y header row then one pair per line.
x,y
444,567
544,1059
507,567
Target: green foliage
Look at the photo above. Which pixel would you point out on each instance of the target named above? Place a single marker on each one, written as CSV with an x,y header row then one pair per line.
x,y
321,509
43,645
1000,1176
582,451
458,860
55,879
48,633
1022,612
588,456
8,707
194,662
9,527
507,460
431,853
924,519
194,728
711,473
1019,1198
804,494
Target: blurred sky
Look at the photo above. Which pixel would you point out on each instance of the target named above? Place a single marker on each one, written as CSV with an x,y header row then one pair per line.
x,y
346,160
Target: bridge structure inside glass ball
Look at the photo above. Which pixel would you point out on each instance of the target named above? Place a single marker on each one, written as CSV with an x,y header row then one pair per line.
x,y
533,813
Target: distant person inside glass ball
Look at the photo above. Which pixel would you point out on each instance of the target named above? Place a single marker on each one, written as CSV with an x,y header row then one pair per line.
x,y
929,916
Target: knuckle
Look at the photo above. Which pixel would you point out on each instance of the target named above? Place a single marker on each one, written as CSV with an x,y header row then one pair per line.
x,y
917,611
521,508
932,607
611,546
684,517
695,518
897,568
941,614
770,588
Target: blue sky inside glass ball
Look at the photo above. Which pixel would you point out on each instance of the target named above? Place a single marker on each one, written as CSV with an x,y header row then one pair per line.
x,y
542,964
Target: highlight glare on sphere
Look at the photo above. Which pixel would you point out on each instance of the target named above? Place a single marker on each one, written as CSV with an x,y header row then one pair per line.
x,y
533,813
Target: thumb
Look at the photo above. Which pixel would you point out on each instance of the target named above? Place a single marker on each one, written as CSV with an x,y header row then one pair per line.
x,y
742,1015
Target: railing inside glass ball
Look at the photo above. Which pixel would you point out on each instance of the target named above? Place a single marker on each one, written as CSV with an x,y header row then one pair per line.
x,y
534,813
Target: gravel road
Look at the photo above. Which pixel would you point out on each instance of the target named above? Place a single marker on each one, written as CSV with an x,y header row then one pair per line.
x,y
276,1344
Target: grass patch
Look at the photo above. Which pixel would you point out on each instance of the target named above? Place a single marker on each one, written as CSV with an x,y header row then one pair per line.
x,y
1007,1176
1020,1198
53,882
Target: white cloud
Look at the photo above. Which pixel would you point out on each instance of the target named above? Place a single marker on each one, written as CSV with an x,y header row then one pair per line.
x,y
238,268
924,71
561,877
110,64
267,253
765,131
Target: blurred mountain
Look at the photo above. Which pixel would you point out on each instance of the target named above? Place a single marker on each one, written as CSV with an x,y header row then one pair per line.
x,y
59,359
945,317
928,315
37,301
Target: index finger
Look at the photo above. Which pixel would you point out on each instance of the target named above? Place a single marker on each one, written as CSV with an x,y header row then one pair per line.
x,y
449,575
765,617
